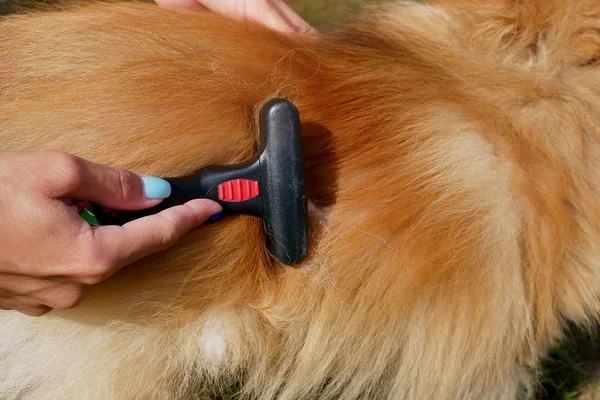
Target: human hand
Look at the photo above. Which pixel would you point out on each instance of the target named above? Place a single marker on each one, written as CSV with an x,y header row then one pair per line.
x,y
49,254
274,14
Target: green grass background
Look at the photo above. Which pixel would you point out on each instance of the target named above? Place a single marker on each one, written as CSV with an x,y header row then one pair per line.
x,y
572,368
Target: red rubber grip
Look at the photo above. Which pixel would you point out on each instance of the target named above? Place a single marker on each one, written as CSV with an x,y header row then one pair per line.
x,y
238,190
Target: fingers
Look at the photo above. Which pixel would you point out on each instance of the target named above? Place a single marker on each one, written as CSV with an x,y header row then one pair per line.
x,y
274,14
52,293
179,3
64,296
112,247
285,19
23,285
75,178
23,304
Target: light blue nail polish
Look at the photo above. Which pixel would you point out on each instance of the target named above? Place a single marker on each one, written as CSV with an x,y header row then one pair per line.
x,y
155,188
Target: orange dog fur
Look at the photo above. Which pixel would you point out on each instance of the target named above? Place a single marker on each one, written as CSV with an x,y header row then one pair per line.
x,y
452,153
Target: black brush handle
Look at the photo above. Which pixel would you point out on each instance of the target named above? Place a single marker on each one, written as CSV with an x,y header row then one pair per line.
x,y
230,186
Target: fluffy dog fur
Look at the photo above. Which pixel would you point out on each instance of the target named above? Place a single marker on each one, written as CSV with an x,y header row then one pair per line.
x,y
452,153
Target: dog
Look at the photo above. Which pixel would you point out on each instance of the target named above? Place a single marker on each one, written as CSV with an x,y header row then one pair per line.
x,y
451,155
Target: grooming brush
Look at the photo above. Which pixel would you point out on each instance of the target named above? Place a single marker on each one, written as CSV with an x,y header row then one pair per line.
x,y
269,186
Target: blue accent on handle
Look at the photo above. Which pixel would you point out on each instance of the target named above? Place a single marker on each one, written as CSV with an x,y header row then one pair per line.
x,y
216,217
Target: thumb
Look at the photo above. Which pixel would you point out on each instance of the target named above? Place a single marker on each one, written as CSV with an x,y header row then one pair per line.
x,y
76,178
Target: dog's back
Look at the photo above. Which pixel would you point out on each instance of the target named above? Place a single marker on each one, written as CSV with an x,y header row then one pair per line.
x,y
451,155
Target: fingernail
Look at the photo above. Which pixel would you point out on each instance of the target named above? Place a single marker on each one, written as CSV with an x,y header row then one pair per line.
x,y
216,217
155,188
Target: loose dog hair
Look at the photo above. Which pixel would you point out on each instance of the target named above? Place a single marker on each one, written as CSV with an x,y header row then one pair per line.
x,y
452,152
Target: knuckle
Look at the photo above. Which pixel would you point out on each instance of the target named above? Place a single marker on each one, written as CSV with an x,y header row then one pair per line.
x,y
35,311
67,297
126,182
97,270
93,275
96,267
69,169
169,234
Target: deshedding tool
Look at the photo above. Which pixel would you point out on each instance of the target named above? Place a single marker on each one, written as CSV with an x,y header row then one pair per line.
x,y
270,186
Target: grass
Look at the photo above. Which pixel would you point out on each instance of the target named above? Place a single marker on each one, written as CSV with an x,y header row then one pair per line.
x,y
570,366
324,12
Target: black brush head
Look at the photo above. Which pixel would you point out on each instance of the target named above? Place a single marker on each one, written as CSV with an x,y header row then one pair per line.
x,y
282,177
270,185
